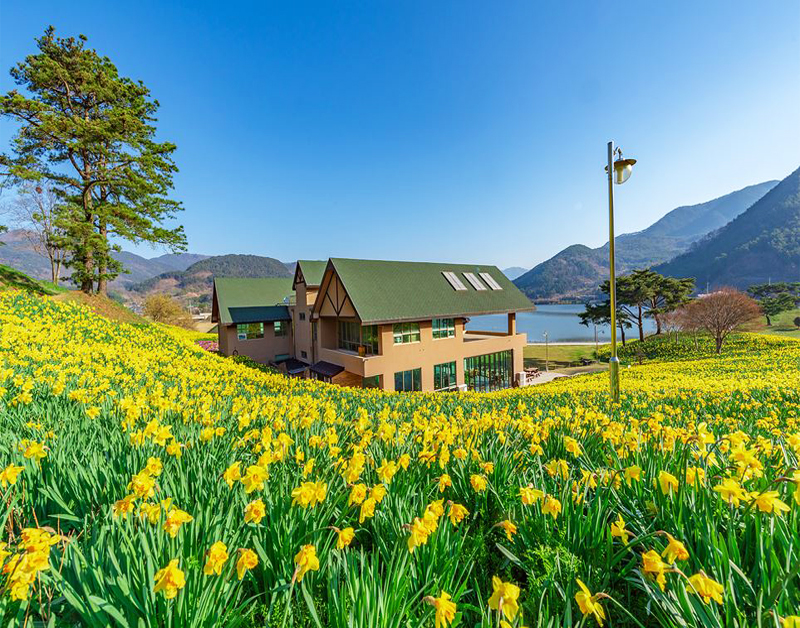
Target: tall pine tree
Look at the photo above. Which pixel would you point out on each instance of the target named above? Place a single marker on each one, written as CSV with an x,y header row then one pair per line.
x,y
91,133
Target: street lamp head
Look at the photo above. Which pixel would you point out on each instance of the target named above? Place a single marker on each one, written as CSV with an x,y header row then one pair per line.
x,y
622,169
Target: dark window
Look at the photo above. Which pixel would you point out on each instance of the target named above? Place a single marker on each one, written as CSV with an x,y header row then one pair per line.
x,y
405,333
444,376
280,327
352,336
302,316
408,380
444,328
250,331
303,354
488,372
372,382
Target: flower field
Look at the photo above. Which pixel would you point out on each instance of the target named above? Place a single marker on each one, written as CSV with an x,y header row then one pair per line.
x,y
148,482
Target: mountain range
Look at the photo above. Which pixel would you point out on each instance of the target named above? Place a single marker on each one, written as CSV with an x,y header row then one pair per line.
x,y
760,245
195,282
514,271
576,272
18,251
745,237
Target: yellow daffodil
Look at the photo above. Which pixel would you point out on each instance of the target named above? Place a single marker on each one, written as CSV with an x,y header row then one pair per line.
x,y
216,556
588,603
254,512
504,598
705,587
247,560
169,580
305,560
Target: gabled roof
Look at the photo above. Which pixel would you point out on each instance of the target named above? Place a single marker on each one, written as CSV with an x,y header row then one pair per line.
x,y
238,300
311,271
389,292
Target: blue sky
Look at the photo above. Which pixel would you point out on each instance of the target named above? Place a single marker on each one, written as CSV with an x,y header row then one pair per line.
x,y
459,131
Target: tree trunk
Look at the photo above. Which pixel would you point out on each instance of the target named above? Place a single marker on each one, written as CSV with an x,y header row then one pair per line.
x,y
53,270
622,331
658,325
102,281
718,340
769,323
87,282
640,322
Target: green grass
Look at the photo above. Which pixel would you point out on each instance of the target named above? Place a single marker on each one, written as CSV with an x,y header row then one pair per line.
x,y
783,325
559,357
11,278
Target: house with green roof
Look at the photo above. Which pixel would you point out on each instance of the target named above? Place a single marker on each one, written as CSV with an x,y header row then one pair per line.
x,y
389,325
253,317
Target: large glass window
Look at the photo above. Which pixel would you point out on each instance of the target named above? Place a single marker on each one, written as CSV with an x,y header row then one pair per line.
x,y
371,382
492,371
249,331
352,336
444,328
405,333
444,376
280,327
408,380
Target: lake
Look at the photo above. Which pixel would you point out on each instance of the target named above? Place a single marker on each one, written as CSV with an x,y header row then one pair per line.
x,y
561,323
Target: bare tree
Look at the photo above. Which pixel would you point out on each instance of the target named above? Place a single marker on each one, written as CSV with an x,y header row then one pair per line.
x,y
36,210
671,322
162,308
720,313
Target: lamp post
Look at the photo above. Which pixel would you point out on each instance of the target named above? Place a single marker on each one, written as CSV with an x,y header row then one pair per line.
x,y
546,354
618,172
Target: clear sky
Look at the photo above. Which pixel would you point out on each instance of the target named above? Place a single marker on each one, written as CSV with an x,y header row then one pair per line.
x,y
463,131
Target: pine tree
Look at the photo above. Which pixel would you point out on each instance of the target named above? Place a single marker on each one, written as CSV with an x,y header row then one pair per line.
x,y
91,133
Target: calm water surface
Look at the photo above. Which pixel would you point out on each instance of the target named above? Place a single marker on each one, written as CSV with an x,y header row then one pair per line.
x,y
561,323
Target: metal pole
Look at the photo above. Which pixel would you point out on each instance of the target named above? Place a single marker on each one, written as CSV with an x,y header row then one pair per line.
x,y
546,354
613,363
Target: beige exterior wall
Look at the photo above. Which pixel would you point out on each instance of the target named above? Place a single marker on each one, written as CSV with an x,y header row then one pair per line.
x,y
304,302
261,350
424,354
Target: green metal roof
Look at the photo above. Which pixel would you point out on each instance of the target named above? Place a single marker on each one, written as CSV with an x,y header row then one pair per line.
x,y
385,292
239,300
312,270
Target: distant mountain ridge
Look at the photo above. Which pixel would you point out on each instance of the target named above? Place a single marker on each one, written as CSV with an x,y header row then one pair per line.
x,y
196,281
760,245
18,252
512,272
575,272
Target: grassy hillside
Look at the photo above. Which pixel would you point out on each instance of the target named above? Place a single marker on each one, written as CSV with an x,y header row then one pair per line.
x,y
11,278
189,490
102,306
783,325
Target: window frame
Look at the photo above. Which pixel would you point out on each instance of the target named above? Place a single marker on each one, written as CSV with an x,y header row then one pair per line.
x,y
410,377
248,330
367,336
443,328
452,376
406,333
490,371
280,328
